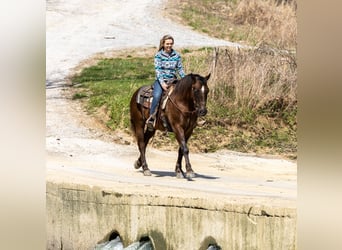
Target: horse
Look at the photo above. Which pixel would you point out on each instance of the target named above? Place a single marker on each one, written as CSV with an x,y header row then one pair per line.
x,y
185,103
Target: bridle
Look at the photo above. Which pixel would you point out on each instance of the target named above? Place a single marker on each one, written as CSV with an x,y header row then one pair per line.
x,y
182,111
177,107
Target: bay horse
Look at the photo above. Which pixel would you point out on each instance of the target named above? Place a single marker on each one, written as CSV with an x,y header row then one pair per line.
x,y
186,102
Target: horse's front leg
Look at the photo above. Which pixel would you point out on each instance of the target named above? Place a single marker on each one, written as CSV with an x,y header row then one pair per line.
x,y
178,170
183,151
189,172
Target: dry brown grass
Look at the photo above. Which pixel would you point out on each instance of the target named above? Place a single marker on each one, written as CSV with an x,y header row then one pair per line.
x,y
253,78
274,22
249,22
252,99
247,79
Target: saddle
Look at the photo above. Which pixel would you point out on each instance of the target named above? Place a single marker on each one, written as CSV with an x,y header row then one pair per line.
x,y
145,96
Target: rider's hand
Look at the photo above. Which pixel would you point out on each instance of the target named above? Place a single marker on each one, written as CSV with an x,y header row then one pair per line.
x,y
164,86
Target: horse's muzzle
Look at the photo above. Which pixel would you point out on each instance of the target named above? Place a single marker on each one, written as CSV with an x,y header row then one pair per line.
x,y
202,112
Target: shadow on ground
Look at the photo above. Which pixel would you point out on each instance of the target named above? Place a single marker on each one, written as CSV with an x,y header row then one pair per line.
x,y
173,174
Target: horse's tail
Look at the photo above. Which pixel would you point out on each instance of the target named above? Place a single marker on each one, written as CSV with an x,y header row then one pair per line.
x,y
133,104
136,114
132,127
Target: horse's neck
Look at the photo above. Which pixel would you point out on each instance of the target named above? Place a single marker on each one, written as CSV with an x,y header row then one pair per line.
x,y
182,97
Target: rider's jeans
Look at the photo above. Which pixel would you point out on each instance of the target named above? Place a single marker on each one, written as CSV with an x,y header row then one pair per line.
x,y
157,93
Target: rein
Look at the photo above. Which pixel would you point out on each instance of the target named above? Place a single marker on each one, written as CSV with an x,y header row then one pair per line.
x,y
175,104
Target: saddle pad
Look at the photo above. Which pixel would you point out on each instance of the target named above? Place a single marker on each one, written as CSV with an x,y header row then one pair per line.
x,y
144,96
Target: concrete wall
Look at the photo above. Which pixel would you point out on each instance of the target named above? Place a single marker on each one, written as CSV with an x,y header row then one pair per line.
x,y
80,216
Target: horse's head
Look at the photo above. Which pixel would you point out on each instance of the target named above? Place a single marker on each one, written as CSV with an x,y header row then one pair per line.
x,y
200,93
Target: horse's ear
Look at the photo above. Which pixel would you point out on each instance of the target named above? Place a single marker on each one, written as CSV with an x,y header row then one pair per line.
x,y
208,76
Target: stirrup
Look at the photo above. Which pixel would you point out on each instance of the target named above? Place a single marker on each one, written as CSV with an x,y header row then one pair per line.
x,y
163,118
150,123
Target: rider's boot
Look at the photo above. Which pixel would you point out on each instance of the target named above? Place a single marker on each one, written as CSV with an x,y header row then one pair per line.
x,y
163,118
151,122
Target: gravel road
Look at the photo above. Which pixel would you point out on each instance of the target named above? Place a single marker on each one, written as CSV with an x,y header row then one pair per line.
x,y
78,151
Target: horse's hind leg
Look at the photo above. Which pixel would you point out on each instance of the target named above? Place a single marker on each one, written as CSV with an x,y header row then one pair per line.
x,y
143,139
137,126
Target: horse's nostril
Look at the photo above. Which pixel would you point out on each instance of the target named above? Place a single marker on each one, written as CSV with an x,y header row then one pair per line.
x,y
202,112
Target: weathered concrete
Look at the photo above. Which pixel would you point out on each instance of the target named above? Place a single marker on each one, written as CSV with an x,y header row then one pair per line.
x,y
79,216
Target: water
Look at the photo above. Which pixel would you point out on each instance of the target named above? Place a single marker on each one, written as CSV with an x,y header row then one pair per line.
x,y
116,244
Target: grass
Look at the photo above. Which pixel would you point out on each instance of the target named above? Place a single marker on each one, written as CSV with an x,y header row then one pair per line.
x,y
110,84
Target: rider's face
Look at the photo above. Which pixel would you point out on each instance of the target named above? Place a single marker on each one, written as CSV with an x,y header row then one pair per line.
x,y
168,43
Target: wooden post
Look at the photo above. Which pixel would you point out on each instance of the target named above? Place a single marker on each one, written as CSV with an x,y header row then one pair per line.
x,y
214,62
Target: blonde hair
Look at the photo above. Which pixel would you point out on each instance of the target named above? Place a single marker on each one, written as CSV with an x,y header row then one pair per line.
x,y
162,40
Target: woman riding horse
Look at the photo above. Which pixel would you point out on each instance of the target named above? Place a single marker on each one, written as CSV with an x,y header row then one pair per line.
x,y
167,62
185,103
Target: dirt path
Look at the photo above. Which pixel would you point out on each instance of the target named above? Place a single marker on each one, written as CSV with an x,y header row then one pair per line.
x,y
79,150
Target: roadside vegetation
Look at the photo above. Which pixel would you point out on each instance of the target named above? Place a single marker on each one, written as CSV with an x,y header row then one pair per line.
x,y
252,101
250,22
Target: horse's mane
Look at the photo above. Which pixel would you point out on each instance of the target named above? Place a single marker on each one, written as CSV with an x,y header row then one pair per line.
x,y
184,84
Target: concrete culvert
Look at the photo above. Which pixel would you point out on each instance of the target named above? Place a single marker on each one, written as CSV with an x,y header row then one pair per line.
x,y
209,243
113,244
116,244
146,243
113,235
214,247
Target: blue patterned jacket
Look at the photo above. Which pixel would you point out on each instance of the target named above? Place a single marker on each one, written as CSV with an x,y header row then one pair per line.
x,y
166,65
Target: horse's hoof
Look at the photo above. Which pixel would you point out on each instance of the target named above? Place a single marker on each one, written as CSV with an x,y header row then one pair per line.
x,y
136,164
179,175
190,175
147,172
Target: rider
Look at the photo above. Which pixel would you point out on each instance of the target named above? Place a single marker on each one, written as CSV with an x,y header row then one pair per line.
x,y
167,62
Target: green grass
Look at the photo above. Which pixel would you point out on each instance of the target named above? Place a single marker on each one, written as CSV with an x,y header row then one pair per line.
x,y
110,84
118,69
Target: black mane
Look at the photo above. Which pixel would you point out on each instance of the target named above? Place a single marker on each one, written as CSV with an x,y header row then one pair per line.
x,y
185,84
